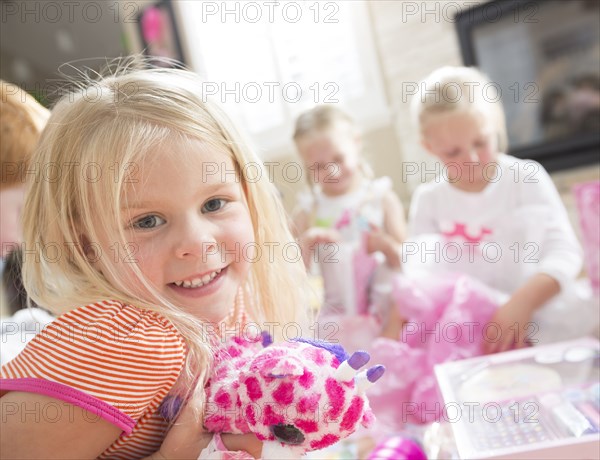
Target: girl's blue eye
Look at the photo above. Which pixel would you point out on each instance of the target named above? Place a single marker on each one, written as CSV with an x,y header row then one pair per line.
x,y
148,222
213,205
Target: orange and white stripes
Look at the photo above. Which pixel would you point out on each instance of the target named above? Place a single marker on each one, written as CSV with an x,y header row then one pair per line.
x,y
108,358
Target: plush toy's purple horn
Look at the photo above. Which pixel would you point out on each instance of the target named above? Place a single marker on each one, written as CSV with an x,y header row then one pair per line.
x,y
375,373
358,359
366,379
348,368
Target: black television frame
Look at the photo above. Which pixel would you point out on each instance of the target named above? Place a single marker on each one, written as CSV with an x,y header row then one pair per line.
x,y
552,154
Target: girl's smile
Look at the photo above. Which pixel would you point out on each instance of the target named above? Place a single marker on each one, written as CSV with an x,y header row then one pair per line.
x,y
200,285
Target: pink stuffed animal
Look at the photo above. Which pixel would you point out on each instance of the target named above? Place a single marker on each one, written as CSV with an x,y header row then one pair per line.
x,y
295,396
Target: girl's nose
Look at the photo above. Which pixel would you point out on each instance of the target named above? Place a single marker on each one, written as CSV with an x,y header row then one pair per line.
x,y
197,239
473,157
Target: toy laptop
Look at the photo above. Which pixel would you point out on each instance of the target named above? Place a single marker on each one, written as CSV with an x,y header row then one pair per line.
x,y
536,403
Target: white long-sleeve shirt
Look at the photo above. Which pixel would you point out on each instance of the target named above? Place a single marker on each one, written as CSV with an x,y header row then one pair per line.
x,y
516,227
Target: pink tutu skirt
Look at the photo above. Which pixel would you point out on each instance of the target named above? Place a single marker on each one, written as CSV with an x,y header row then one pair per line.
x,y
446,320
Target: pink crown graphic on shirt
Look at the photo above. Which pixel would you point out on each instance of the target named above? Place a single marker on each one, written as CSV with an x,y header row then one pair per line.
x,y
468,233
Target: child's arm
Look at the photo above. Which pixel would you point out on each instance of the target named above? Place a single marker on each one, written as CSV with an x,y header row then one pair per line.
x,y
559,253
559,259
40,427
389,239
513,319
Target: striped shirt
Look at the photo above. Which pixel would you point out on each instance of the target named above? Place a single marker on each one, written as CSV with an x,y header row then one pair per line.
x,y
114,360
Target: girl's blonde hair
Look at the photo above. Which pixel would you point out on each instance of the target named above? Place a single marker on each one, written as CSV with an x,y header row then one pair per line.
x,y
455,89
321,118
95,136
22,119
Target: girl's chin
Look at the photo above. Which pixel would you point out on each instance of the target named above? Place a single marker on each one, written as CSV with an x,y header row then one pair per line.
x,y
338,188
208,315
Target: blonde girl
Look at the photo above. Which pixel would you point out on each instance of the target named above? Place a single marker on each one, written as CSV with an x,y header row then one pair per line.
x,y
143,234
348,221
486,200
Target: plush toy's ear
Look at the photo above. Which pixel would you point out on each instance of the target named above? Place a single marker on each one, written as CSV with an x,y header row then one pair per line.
x,y
366,379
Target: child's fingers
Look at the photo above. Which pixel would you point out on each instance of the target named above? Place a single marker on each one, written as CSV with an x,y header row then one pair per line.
x,y
507,340
243,442
327,236
317,235
494,344
489,347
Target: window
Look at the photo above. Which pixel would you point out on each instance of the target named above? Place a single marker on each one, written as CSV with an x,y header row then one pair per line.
x,y
266,62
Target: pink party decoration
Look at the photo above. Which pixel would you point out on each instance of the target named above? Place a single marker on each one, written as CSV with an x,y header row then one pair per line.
x,y
152,25
447,321
587,198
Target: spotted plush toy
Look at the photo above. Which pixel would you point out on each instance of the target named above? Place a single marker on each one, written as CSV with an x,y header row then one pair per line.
x,y
296,397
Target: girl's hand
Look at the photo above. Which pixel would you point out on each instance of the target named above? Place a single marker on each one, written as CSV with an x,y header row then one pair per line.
x,y
314,236
187,438
513,319
508,328
246,442
378,240
319,235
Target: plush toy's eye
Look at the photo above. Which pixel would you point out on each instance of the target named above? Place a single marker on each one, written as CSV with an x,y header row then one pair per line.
x,y
287,434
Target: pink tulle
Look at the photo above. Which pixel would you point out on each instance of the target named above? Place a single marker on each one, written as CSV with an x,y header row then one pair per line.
x,y
447,317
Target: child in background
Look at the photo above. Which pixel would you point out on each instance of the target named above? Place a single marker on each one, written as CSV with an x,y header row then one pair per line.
x,y
153,248
489,250
504,213
22,119
350,224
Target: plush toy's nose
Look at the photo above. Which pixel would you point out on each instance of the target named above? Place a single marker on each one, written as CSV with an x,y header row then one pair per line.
x,y
287,434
